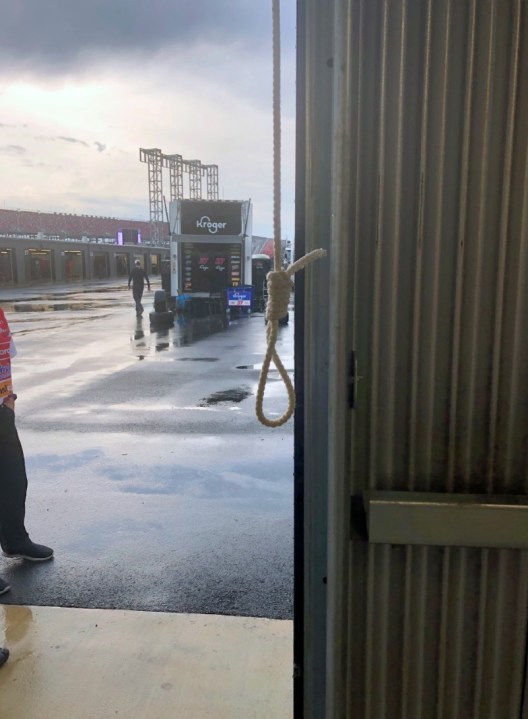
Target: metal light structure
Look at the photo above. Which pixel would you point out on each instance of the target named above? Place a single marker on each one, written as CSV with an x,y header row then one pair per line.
x,y
154,158
177,166
194,168
212,181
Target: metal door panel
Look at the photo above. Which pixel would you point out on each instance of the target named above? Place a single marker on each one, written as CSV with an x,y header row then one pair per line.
x,y
430,291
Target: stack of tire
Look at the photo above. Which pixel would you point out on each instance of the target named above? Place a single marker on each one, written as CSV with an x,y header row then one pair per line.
x,y
161,316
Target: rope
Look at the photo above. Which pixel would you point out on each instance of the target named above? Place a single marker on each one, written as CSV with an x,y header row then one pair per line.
x,y
279,281
279,288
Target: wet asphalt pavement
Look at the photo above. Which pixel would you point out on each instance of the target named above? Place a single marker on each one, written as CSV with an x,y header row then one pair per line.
x,y
149,473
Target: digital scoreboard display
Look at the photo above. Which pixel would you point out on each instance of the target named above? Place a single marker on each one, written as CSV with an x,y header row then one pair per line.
x,y
210,268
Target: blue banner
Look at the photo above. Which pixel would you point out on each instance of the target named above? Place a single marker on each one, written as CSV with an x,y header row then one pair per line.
x,y
237,297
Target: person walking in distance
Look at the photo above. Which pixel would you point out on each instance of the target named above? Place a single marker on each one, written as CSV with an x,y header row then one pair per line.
x,y
14,539
138,277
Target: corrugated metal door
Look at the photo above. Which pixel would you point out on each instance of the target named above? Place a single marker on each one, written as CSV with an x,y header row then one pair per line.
x,y
430,292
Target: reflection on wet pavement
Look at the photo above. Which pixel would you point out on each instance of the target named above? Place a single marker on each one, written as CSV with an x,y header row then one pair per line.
x,y
147,339
39,296
186,331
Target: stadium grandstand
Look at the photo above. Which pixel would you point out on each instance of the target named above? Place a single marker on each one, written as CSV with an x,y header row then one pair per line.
x,y
64,226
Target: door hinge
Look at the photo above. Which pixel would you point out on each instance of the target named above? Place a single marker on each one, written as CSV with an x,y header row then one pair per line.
x,y
297,671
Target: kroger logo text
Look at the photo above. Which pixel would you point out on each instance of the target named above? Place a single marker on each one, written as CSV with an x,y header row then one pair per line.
x,y
212,227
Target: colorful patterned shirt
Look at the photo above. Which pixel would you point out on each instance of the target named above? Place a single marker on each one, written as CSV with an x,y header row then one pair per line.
x,y
7,351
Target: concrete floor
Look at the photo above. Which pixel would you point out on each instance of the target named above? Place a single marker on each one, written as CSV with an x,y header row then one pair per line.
x,y
98,664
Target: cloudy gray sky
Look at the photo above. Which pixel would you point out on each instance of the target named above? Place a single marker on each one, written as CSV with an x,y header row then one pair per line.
x,y
85,84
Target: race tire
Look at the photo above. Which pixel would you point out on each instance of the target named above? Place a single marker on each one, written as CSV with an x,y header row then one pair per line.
x,y
160,301
162,318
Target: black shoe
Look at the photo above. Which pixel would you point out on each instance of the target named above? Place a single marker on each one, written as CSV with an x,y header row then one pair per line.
x,y
4,586
4,654
31,551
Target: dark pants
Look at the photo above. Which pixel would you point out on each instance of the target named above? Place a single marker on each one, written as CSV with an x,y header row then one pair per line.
x,y
137,294
13,483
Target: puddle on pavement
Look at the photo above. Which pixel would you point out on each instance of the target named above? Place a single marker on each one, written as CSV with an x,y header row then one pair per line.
x,y
53,307
64,300
228,395
197,359
258,367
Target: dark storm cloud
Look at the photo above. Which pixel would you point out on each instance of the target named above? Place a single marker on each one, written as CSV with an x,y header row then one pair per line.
x,y
73,139
63,138
12,150
51,36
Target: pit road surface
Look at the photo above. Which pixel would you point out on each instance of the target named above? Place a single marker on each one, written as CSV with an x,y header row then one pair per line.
x,y
148,471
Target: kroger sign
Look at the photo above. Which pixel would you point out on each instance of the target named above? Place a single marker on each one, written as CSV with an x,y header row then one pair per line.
x,y
211,217
211,227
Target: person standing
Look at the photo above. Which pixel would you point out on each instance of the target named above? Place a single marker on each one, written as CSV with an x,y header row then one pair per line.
x,y
14,539
138,277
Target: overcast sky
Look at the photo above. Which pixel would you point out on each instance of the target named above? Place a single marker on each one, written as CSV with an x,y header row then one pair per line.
x,y
85,84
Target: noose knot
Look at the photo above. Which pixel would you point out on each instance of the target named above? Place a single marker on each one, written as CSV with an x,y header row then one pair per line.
x,y
279,290
279,287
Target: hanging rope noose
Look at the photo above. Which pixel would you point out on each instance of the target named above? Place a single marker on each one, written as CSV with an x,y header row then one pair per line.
x,y
279,281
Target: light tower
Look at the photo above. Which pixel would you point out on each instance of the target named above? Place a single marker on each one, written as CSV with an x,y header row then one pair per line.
x,y
156,161
212,181
154,158
175,165
194,168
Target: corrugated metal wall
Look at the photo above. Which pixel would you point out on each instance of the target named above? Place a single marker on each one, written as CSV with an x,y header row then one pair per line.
x,y
432,143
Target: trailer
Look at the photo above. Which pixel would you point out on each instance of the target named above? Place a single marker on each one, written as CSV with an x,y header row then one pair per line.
x,y
261,264
210,251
